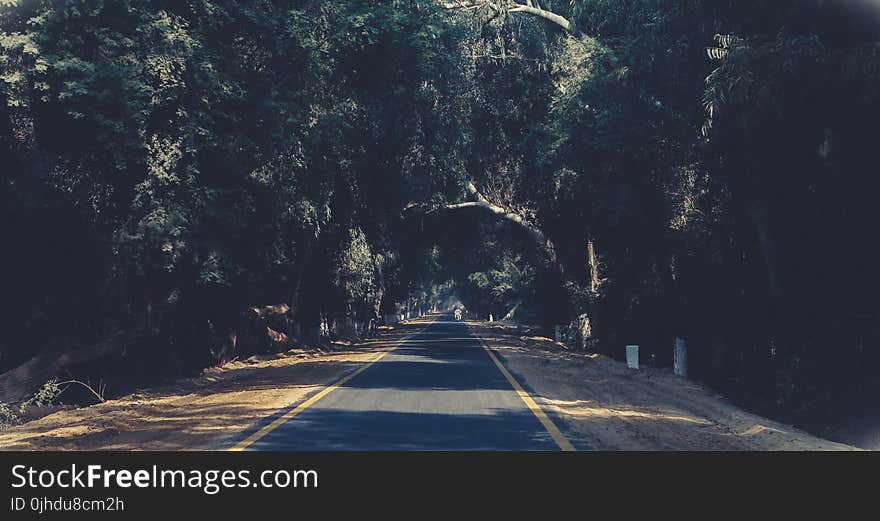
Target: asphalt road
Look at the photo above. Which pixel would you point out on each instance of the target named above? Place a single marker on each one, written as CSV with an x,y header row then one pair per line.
x,y
438,390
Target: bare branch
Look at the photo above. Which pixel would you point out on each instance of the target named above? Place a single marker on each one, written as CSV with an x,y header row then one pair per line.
x,y
543,13
99,396
481,202
515,7
467,6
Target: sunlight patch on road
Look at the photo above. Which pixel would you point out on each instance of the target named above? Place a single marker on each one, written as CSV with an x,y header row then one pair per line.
x,y
431,341
291,413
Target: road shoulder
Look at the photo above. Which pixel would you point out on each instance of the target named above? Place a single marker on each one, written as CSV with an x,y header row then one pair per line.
x,y
611,407
206,412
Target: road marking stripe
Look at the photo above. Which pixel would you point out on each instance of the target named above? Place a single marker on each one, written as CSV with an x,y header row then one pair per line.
x,y
250,440
545,420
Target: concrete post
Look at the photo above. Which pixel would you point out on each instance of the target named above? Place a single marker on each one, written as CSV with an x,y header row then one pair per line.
x,y
679,356
491,319
632,357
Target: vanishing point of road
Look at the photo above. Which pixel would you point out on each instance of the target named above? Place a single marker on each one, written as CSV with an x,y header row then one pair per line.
x,y
439,388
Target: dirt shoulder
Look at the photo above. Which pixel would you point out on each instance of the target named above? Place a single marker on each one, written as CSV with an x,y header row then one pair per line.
x,y
612,407
206,412
598,399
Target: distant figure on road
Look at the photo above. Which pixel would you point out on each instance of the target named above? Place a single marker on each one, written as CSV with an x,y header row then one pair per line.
x,y
457,314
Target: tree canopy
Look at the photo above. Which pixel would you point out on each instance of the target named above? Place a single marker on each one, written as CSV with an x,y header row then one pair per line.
x,y
638,170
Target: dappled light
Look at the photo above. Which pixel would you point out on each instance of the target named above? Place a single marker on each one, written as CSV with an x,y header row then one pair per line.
x,y
205,412
582,409
650,409
420,214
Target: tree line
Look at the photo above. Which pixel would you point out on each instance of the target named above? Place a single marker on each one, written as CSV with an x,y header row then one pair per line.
x,y
640,170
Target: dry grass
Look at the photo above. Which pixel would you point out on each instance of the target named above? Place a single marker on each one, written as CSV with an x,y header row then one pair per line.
x,y
200,413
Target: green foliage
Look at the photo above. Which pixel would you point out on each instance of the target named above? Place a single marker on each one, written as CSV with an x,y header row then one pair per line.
x,y
356,269
45,395
207,154
509,283
8,418
168,164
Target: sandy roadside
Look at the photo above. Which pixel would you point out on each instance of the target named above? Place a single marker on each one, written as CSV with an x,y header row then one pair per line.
x,y
600,401
614,408
206,412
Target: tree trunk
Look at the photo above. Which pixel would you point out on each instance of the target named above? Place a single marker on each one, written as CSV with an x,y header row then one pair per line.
x,y
594,266
510,314
377,301
766,242
294,326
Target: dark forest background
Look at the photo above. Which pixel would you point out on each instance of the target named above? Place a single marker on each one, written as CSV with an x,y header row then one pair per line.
x,y
179,175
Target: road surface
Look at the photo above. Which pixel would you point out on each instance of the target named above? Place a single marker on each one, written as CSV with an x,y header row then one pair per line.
x,y
439,389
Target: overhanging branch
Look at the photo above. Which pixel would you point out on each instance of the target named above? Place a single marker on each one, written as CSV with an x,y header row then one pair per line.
x,y
514,7
543,13
480,201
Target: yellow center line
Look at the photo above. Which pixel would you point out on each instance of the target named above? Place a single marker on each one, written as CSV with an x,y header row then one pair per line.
x,y
284,418
545,420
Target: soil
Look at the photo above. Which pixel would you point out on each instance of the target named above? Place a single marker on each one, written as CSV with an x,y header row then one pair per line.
x,y
205,412
612,407
596,399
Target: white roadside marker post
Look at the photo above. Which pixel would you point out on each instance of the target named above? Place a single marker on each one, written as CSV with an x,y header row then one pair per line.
x,y
679,357
632,356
